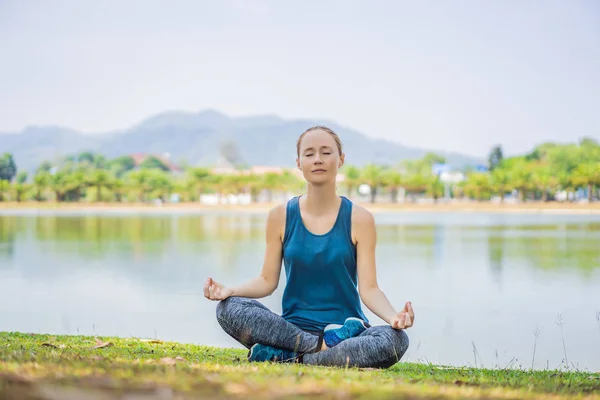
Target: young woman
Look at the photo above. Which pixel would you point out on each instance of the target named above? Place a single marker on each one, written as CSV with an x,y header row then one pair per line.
x,y
328,248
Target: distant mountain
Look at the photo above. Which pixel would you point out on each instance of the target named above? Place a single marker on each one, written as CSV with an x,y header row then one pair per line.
x,y
198,137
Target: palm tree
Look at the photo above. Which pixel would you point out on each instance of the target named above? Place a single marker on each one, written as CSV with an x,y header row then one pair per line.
x,y
435,187
41,180
4,187
254,184
291,183
215,182
520,178
271,182
392,180
415,184
201,177
587,175
544,180
99,178
118,188
160,183
372,175
500,181
76,184
21,187
188,187
230,184
67,186
351,178
478,186
140,181
58,183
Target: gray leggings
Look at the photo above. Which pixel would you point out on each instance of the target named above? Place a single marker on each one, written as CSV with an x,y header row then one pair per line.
x,y
249,322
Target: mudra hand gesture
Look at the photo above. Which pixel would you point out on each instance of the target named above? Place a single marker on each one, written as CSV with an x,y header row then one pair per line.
x,y
216,291
404,319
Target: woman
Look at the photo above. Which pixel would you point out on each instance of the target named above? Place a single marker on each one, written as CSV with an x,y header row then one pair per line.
x,y
328,248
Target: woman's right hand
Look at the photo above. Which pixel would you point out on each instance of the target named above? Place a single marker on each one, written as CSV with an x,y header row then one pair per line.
x,y
216,291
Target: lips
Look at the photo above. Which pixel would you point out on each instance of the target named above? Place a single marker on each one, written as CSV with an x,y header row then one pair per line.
x,y
318,170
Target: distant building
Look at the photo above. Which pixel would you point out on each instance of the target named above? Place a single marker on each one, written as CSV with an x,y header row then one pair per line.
x,y
262,170
139,158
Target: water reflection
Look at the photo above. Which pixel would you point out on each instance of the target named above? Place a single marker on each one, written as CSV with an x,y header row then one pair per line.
x,y
487,279
496,256
9,226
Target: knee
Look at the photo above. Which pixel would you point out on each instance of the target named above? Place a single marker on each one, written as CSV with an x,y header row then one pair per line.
x,y
400,342
227,306
397,344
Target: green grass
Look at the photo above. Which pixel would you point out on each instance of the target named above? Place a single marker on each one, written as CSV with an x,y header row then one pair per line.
x,y
47,367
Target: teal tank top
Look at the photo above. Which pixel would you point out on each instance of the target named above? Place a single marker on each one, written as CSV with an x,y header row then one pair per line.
x,y
321,277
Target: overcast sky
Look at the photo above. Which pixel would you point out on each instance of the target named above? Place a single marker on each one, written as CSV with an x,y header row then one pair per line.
x,y
459,75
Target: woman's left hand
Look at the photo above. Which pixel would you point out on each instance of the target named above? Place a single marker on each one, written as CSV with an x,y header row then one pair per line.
x,y
404,319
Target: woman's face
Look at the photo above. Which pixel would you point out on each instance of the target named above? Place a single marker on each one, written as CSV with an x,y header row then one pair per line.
x,y
319,159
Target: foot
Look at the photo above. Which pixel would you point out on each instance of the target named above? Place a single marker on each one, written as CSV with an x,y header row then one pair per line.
x,y
335,334
260,352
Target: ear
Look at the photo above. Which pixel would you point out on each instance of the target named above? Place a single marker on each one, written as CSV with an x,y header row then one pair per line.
x,y
298,164
342,158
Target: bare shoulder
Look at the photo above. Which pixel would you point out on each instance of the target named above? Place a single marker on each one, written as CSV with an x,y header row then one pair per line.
x,y
363,224
361,216
277,213
276,220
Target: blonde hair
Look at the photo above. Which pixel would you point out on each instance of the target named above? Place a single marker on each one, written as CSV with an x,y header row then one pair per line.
x,y
336,138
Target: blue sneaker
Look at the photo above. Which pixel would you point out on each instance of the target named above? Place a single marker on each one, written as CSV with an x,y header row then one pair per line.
x,y
335,334
260,352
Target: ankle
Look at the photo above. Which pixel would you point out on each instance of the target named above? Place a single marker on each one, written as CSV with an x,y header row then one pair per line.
x,y
323,346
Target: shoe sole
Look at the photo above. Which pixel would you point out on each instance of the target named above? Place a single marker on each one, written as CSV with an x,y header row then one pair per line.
x,y
251,351
336,326
359,320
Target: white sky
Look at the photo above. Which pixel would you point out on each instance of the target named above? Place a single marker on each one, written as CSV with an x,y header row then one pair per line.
x,y
455,75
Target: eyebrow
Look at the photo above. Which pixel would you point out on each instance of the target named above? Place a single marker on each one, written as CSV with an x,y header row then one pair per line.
x,y
313,149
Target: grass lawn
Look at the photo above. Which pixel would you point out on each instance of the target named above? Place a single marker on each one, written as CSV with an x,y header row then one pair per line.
x,y
72,367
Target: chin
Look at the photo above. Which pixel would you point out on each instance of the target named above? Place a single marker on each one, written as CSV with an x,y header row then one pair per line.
x,y
320,179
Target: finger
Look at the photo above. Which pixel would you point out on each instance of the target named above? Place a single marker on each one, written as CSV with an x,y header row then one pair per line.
x,y
407,320
411,312
205,289
400,322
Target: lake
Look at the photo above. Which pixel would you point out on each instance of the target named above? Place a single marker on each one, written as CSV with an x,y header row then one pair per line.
x,y
481,284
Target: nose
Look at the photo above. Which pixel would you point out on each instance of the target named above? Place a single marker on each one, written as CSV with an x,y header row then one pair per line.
x,y
318,159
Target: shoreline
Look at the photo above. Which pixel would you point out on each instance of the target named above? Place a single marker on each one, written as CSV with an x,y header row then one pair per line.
x,y
12,208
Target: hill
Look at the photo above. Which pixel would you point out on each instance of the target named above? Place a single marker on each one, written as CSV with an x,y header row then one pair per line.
x,y
199,137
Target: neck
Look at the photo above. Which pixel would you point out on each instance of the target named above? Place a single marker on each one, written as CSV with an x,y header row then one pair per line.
x,y
321,199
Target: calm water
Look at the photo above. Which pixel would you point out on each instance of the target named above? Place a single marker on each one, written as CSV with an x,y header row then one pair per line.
x,y
484,281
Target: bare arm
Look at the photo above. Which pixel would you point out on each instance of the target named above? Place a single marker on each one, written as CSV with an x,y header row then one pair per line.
x,y
266,283
364,233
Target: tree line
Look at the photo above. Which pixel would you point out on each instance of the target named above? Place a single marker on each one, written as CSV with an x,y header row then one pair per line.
x,y
91,177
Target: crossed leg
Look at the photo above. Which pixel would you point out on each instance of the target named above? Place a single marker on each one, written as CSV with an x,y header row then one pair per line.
x,y
250,322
